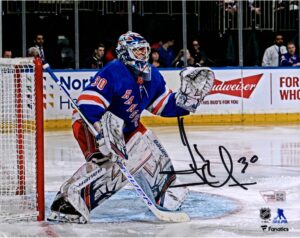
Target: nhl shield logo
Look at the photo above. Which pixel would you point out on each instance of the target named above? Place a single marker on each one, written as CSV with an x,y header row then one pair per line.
x,y
265,213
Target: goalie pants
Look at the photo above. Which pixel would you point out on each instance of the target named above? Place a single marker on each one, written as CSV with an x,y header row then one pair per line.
x,y
156,180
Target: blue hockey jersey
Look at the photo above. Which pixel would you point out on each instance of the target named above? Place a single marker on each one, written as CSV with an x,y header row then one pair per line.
x,y
289,60
114,88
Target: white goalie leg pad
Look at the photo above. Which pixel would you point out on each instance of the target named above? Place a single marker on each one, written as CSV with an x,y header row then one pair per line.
x,y
144,184
170,198
70,193
102,182
173,197
145,154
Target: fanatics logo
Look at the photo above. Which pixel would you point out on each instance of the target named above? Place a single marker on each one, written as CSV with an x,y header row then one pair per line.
x,y
264,227
242,87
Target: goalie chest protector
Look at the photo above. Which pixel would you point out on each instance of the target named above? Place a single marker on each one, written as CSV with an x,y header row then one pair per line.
x,y
114,88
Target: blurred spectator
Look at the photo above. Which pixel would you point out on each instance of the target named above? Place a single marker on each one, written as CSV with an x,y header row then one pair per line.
x,y
154,59
156,45
198,54
33,52
230,6
293,14
66,53
255,12
294,5
281,5
272,55
254,7
38,44
281,16
7,54
191,62
166,52
110,54
290,58
179,60
97,61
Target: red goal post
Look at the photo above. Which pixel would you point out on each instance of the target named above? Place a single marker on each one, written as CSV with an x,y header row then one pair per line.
x,y
21,140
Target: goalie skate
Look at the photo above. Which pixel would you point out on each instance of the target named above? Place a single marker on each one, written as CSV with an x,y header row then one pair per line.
x,y
63,211
66,218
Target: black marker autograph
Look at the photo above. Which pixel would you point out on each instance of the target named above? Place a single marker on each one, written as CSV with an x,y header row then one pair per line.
x,y
205,171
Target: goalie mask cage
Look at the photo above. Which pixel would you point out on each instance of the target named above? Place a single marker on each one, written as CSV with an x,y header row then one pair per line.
x,y
21,140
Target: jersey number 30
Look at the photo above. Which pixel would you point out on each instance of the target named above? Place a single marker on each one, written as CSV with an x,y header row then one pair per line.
x,y
100,83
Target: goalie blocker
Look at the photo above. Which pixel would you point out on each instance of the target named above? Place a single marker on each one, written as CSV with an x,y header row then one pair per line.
x,y
94,182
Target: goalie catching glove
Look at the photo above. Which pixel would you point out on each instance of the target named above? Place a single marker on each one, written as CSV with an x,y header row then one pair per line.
x,y
196,83
111,138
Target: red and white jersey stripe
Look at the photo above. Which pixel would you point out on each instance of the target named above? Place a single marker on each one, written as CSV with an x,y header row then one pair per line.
x,y
159,104
89,97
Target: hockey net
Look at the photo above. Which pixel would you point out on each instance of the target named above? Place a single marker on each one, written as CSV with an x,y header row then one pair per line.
x,y
21,140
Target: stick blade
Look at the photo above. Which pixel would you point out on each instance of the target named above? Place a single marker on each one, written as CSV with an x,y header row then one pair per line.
x,y
169,216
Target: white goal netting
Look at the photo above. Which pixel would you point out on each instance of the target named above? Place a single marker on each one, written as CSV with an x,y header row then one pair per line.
x,y
18,166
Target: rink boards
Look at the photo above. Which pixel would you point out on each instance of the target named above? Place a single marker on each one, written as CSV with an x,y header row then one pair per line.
x,y
239,96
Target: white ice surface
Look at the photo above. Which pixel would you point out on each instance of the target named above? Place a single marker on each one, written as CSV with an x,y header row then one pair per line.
x,y
278,168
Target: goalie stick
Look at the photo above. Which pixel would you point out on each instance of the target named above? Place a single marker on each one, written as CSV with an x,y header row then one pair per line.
x,y
169,216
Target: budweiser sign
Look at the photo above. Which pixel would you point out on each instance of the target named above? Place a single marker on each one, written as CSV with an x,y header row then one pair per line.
x,y
242,87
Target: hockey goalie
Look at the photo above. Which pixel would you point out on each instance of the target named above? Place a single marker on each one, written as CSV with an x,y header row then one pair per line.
x,y
113,104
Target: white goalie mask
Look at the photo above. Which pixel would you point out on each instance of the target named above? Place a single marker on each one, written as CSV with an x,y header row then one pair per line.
x,y
134,50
